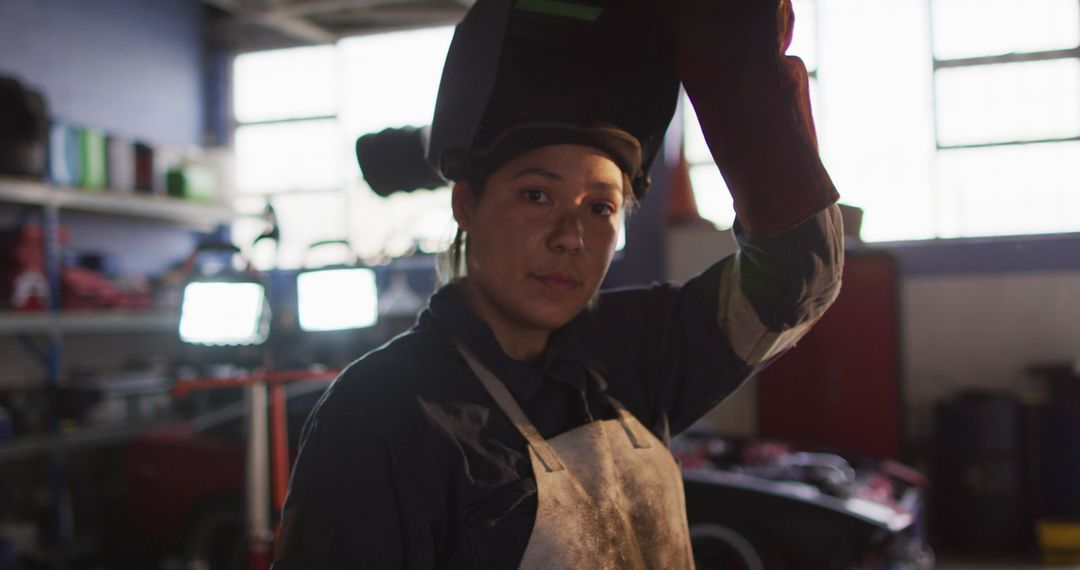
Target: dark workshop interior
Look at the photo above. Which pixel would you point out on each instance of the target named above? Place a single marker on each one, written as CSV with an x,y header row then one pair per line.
x,y
190,252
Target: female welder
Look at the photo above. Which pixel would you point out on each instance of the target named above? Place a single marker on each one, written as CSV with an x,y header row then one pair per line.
x,y
523,421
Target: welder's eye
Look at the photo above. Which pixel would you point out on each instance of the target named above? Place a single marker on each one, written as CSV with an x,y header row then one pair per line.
x,y
535,195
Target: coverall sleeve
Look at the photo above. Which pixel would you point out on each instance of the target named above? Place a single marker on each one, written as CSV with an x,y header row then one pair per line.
x,y
350,505
680,350
775,288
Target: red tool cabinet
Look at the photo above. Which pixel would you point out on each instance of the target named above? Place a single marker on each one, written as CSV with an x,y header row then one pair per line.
x,y
841,385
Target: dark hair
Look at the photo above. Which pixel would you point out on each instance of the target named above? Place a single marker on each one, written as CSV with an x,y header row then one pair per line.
x,y
451,264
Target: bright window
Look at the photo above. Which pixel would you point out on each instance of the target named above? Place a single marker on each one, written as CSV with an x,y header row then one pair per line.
x,y
394,91
1008,102
285,84
1009,190
978,28
940,119
944,119
1007,118
288,156
300,112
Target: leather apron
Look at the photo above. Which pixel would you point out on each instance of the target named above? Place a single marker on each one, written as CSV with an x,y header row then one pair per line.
x,y
609,493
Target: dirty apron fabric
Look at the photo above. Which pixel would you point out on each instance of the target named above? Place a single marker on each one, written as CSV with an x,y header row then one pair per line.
x,y
609,493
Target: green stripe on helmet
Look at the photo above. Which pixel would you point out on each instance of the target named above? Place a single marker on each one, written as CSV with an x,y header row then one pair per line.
x,y
557,8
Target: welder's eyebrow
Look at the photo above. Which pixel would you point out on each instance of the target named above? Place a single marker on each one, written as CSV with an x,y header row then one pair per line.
x,y
537,171
602,186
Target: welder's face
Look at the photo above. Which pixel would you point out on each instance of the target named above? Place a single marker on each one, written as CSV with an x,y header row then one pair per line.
x,y
541,234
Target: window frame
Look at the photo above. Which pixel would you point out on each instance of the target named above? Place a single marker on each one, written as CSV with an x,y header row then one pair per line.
x,y
939,64
348,191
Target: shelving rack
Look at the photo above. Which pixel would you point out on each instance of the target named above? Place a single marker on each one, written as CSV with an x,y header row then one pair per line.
x,y
104,322
55,199
55,323
113,202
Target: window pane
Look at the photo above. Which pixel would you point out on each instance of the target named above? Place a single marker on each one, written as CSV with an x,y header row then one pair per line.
x,y
1009,190
286,157
973,28
894,190
1008,102
804,40
303,219
391,80
695,147
381,92
306,219
285,84
711,194
400,223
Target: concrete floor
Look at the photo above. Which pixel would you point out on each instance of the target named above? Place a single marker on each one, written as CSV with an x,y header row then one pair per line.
x,y
947,563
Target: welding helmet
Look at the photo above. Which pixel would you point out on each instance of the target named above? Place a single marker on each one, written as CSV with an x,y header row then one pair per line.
x,y
522,74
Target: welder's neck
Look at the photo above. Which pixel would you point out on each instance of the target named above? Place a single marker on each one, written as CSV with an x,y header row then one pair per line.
x,y
519,339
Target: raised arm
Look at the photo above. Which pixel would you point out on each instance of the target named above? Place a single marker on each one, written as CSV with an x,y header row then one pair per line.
x,y
753,103
689,347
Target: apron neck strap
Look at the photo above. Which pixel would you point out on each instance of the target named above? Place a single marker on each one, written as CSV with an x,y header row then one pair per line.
x,y
509,405
638,439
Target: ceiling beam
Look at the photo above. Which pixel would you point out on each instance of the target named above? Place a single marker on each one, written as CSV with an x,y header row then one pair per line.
x,y
297,27
314,7
326,21
415,16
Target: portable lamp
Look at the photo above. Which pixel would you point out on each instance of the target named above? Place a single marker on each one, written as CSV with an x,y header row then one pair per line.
x,y
337,297
222,305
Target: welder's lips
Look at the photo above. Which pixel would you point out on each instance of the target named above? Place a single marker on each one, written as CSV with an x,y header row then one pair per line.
x,y
620,145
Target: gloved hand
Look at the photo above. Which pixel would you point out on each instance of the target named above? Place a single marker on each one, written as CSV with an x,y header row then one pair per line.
x,y
754,107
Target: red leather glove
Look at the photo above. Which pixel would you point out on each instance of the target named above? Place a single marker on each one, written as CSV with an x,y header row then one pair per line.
x,y
753,103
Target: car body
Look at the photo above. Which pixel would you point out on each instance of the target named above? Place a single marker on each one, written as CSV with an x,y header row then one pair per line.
x,y
751,504
757,503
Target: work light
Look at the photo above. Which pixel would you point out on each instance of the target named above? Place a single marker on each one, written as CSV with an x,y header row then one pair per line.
x,y
339,295
337,298
223,306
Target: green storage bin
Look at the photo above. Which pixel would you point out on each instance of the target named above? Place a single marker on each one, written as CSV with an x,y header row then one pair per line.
x,y
192,181
94,170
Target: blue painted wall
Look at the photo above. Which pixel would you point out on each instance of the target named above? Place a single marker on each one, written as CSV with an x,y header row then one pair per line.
x,y
987,256
131,67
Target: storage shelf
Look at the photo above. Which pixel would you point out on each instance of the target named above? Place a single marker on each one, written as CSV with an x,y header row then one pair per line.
x,y
33,446
113,202
13,324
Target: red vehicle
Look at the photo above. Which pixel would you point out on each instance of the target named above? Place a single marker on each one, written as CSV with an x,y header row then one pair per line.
x,y
184,483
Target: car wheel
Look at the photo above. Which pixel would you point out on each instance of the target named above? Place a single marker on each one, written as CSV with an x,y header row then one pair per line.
x,y
216,542
718,547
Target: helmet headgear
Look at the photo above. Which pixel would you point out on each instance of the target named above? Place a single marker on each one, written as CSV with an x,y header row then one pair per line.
x,y
522,74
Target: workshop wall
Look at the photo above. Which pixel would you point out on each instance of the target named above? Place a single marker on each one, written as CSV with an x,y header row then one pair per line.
x,y
132,67
975,314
